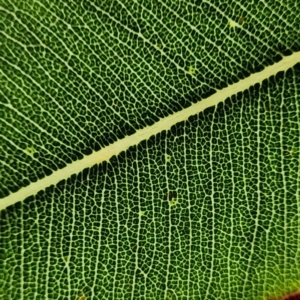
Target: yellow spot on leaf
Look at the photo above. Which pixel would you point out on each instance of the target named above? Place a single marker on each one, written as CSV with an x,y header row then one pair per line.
x,y
141,213
30,151
81,297
232,23
173,202
168,157
192,70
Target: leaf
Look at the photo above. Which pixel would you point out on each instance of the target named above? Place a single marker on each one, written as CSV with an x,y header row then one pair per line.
x,y
149,149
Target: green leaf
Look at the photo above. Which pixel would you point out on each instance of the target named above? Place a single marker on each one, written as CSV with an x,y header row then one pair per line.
x,y
149,149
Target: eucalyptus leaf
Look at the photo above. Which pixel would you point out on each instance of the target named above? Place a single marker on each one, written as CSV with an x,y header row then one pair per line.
x,y
149,149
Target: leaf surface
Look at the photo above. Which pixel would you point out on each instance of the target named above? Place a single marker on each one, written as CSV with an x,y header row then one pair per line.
x,y
149,149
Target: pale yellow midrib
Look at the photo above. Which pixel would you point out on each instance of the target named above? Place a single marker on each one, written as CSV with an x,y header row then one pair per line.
x,y
164,124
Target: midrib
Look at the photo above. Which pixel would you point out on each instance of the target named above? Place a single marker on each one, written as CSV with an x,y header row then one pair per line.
x,y
164,124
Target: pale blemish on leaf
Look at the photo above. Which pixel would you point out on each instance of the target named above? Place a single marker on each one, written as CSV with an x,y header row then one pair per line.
x,y
173,202
192,70
82,297
168,157
30,151
158,46
88,123
66,258
169,295
142,213
232,24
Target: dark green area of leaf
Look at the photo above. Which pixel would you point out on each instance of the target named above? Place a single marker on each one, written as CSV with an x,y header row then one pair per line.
x,y
78,76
